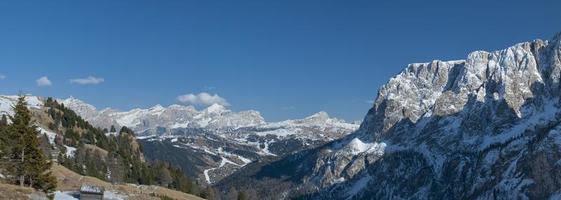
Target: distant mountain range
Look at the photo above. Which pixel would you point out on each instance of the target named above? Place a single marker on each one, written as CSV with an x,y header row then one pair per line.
x,y
160,120
212,143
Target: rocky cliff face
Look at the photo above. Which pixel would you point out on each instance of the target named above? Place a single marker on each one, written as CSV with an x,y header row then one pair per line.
x,y
488,127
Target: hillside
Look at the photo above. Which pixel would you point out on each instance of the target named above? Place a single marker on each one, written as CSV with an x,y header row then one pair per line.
x,y
67,139
69,181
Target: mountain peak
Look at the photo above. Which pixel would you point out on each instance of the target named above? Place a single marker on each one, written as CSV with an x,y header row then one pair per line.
x,y
72,99
443,88
215,108
157,107
77,103
319,115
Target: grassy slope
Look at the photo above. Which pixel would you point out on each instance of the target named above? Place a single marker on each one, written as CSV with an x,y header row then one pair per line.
x,y
71,181
8,191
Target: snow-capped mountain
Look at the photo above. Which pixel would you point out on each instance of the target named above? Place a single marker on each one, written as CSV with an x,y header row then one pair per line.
x,y
166,121
487,127
215,142
160,120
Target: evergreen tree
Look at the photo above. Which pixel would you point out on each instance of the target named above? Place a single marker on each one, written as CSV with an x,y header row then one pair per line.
x,y
232,193
116,168
210,194
4,121
5,145
164,176
127,130
29,163
242,196
113,129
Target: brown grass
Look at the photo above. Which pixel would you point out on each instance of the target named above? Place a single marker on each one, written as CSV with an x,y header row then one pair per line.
x,y
71,181
15,192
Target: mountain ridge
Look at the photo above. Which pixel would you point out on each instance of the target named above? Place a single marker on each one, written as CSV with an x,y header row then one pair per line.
x,y
484,127
214,116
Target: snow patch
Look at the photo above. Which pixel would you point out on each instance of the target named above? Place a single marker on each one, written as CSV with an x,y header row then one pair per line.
x,y
50,134
60,195
357,146
277,132
70,151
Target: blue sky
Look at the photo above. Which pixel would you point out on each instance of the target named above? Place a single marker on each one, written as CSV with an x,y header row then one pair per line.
x,y
287,59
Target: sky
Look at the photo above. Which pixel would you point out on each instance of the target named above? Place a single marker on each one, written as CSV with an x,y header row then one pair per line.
x,y
286,59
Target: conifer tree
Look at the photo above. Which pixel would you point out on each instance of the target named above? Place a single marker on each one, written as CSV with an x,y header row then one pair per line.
x,y
29,163
4,145
242,196
210,194
164,176
3,121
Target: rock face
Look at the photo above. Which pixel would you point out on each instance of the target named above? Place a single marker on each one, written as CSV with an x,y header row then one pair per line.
x,y
488,127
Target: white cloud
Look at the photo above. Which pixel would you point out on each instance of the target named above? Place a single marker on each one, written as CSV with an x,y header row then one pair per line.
x,y
2,77
90,80
43,81
203,99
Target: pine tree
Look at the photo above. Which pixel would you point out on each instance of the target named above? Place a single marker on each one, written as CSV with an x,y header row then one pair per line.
x,y
242,196
164,176
113,130
4,121
127,130
232,193
210,194
116,168
5,145
29,163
